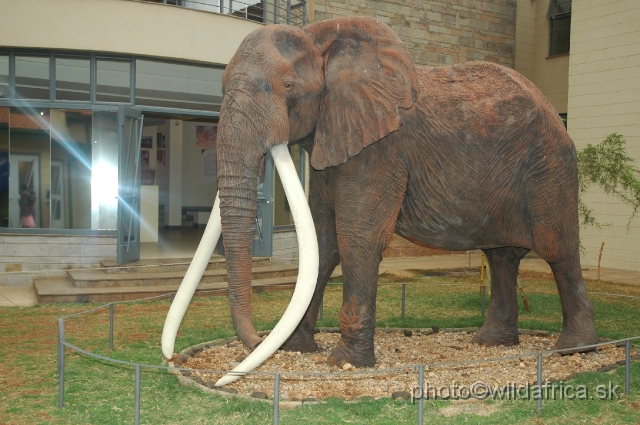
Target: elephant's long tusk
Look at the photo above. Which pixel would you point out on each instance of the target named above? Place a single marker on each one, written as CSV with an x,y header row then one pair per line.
x,y
191,279
307,269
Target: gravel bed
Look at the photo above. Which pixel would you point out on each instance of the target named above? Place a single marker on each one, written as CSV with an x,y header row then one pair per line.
x,y
395,349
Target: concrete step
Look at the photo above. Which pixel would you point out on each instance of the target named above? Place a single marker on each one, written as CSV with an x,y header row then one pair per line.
x,y
98,278
161,265
62,290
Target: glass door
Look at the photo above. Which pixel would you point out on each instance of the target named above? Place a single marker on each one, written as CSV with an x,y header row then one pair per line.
x,y
129,136
263,242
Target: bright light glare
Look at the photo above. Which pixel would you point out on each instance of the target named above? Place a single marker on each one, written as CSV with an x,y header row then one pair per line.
x,y
104,183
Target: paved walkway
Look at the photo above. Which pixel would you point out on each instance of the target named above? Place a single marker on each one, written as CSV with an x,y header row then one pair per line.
x,y
24,297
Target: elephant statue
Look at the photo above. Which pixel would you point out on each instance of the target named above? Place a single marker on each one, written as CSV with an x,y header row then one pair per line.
x,y
462,157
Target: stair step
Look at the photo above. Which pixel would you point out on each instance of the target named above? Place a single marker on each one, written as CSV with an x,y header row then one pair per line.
x,y
62,290
161,265
98,278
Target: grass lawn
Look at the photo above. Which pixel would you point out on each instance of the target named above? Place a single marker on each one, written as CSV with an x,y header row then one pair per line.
x,y
100,392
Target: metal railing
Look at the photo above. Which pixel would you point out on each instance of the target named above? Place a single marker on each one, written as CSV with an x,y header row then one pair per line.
x,y
539,386
265,11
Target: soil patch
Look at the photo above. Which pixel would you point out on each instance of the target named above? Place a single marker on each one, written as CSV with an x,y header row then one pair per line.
x,y
395,350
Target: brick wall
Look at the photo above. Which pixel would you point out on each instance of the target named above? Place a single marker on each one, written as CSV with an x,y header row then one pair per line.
x,y
25,257
438,32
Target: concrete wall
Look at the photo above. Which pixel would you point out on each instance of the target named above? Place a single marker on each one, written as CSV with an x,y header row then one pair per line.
x,y
549,74
438,32
122,26
604,97
285,246
25,257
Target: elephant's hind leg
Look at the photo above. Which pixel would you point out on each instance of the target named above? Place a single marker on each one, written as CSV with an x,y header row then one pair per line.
x,y
501,325
578,320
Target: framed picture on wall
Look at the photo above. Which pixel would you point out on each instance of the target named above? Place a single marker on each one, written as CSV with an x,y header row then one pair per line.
x,y
144,156
206,136
146,142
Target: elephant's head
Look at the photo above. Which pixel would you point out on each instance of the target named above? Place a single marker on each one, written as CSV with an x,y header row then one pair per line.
x,y
339,81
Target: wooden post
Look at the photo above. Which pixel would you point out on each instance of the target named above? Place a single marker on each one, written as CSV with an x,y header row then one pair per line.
x,y
600,258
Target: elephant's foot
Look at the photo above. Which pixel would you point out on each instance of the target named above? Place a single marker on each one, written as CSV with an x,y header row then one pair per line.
x,y
496,336
574,340
301,341
358,354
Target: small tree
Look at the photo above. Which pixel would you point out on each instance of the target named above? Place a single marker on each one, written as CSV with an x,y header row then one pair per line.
x,y
608,165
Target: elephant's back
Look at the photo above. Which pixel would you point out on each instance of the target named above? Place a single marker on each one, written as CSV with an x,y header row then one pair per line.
x,y
479,137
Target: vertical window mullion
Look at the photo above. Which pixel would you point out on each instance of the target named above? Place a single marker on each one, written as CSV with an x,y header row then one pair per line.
x,y
12,75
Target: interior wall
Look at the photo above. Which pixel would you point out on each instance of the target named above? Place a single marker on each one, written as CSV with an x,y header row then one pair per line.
x,y
195,191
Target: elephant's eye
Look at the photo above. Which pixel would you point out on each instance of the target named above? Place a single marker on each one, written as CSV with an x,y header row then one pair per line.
x,y
287,85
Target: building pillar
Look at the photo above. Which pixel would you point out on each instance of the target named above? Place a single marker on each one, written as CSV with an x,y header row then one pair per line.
x,y
173,204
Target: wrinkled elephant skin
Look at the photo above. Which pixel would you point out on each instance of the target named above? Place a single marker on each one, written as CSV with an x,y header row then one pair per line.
x,y
462,157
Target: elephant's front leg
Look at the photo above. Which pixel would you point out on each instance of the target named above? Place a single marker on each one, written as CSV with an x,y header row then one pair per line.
x,y
368,191
358,314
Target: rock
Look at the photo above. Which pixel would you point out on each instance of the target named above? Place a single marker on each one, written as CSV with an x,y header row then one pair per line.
x,y
317,358
366,398
198,380
259,394
621,362
233,344
435,329
210,384
401,395
227,390
240,358
188,352
180,359
310,400
407,332
608,368
347,366
465,375
185,372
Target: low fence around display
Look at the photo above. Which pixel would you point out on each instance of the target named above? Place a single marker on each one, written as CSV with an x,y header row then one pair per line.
x,y
63,344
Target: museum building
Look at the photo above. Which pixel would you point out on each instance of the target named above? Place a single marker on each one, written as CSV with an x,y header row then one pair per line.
x,y
108,111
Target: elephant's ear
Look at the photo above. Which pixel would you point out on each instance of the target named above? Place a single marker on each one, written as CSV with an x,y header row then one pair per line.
x,y
368,74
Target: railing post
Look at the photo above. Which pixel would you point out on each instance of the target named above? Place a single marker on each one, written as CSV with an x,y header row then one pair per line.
x,y
484,299
136,402
221,6
539,400
231,7
322,308
421,394
264,11
288,12
404,295
627,367
111,308
304,14
275,11
61,346
276,399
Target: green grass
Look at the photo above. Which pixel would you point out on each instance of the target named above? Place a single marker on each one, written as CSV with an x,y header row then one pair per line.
x,y
101,392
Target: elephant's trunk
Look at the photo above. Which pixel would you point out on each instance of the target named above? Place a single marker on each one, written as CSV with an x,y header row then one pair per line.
x,y
237,183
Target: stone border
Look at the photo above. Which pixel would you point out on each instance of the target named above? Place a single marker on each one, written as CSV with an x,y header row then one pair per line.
x,y
185,379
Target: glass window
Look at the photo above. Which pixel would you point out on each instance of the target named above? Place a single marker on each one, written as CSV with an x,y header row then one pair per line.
x,y
73,79
32,77
70,193
30,170
560,36
171,85
113,80
104,174
559,14
4,167
4,76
